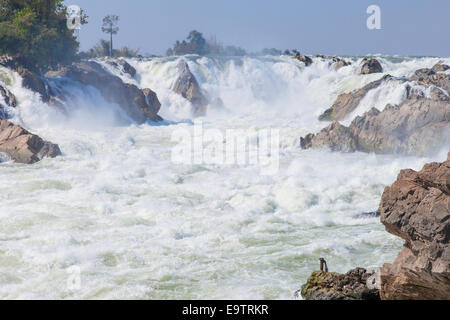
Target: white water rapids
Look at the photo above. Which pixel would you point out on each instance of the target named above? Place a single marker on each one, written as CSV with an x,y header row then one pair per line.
x,y
138,226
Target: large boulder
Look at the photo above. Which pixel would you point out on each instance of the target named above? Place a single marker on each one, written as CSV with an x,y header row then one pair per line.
x,y
354,285
346,103
129,97
417,209
371,66
23,146
417,126
187,86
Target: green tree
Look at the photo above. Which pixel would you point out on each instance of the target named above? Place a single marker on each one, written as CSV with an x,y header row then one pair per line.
x,y
110,26
36,31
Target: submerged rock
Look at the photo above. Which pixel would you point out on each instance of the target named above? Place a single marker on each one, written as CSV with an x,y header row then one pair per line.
x,y
187,86
417,209
371,66
23,146
357,284
346,103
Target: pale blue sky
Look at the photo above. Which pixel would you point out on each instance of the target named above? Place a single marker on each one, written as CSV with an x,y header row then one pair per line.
x,y
409,27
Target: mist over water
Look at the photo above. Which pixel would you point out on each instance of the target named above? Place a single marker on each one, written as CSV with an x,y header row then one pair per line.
x,y
139,226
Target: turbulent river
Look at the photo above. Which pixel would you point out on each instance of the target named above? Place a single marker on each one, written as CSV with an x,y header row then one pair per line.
x,y
119,214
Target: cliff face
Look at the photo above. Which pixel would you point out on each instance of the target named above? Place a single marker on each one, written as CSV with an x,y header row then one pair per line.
x,y
417,208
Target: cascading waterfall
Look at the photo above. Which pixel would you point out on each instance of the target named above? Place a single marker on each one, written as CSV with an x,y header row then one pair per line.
x,y
136,225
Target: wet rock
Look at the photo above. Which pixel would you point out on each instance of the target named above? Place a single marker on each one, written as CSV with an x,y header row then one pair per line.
x,y
346,103
371,66
335,136
357,284
187,86
440,67
370,214
340,63
152,99
428,77
417,209
305,59
135,102
122,65
9,100
30,80
418,126
23,146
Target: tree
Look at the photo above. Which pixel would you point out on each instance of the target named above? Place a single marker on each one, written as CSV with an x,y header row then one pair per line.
x,y
37,33
110,26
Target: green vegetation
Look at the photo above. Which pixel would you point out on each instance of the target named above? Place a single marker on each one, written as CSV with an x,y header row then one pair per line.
x,y
103,49
36,31
195,43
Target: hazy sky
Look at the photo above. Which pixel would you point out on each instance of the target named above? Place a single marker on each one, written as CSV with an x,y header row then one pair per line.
x,y
409,27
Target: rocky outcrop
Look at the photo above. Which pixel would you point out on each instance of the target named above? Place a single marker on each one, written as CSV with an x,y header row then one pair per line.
x,y
428,77
30,80
305,59
357,284
187,86
336,136
371,66
23,146
339,63
440,67
7,99
122,65
138,105
417,209
346,103
416,126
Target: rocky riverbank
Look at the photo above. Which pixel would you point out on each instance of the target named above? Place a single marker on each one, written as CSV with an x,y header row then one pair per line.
x,y
416,208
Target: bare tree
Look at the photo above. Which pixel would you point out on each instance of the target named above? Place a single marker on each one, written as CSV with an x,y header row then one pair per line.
x,y
110,26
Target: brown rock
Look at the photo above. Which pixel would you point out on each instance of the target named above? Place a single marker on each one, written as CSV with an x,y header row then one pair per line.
x,y
23,146
371,66
417,209
305,59
129,97
336,136
334,286
340,63
346,103
428,77
187,86
440,67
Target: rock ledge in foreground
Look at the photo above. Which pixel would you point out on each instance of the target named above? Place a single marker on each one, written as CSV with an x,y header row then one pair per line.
x,y
357,284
